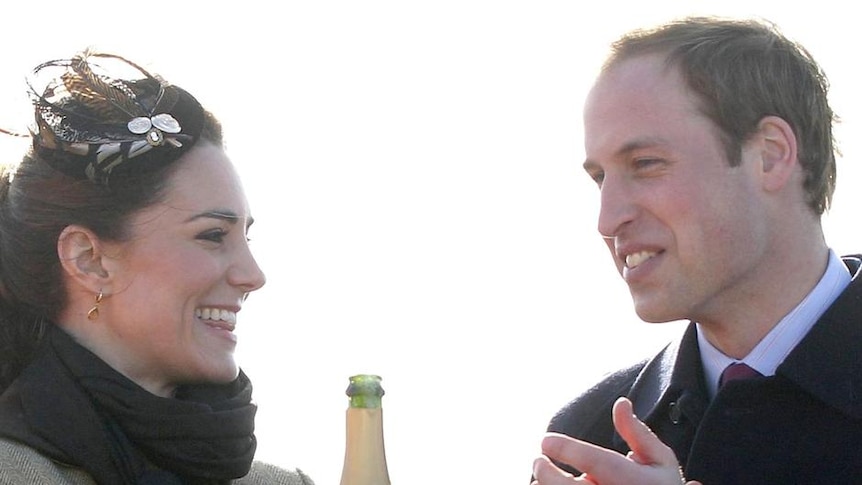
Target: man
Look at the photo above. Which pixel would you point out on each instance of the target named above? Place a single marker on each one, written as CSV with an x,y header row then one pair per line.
x,y
711,143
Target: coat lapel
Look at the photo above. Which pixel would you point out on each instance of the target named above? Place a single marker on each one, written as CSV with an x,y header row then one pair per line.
x,y
669,394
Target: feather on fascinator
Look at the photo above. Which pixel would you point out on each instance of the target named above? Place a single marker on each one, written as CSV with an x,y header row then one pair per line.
x,y
98,115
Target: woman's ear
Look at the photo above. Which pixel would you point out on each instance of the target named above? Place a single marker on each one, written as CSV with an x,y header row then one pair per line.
x,y
82,257
778,152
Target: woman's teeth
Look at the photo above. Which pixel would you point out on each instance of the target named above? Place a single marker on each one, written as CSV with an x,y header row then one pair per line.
x,y
216,314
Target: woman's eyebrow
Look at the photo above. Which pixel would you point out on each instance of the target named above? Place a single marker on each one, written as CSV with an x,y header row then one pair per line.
x,y
224,215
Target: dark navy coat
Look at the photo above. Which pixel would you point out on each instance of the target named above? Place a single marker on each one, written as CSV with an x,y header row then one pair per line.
x,y
802,425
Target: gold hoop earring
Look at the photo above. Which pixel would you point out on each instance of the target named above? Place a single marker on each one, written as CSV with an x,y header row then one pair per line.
x,y
94,312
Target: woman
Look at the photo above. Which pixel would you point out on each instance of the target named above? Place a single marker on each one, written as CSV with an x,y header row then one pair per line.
x,y
123,264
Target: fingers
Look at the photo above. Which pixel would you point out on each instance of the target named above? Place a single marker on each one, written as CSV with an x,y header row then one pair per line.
x,y
649,462
646,447
546,473
595,460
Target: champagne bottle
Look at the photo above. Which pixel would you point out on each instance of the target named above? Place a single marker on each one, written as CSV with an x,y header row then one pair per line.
x,y
364,454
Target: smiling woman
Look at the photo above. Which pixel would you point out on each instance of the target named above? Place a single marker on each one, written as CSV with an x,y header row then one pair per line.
x,y
124,261
157,334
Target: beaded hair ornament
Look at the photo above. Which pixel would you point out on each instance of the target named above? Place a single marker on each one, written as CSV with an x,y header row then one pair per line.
x,y
99,115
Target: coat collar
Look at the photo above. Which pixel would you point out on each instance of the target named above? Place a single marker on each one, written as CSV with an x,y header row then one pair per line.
x,y
826,363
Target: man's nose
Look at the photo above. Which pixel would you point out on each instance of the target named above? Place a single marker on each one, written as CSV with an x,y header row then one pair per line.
x,y
618,207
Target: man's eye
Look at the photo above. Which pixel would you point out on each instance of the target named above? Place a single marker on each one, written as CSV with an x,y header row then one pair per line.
x,y
598,177
646,162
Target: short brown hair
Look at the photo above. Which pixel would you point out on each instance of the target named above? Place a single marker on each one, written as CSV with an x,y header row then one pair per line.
x,y
744,70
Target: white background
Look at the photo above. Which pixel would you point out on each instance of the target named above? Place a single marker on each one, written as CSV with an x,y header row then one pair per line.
x,y
414,169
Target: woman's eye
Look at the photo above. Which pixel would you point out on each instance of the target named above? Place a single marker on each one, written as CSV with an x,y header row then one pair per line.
x,y
216,235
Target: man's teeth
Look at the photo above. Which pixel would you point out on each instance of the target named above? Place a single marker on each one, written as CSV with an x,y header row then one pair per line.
x,y
635,260
216,314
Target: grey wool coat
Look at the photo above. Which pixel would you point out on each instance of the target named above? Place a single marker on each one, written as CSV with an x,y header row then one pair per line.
x,y
23,465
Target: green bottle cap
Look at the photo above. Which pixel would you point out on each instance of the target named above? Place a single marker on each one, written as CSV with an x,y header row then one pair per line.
x,y
365,391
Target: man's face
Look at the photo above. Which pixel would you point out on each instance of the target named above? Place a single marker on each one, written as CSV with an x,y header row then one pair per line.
x,y
687,231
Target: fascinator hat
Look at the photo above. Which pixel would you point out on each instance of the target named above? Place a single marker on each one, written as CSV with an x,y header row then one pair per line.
x,y
100,116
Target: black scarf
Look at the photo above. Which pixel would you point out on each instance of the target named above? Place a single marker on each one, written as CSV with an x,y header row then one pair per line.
x,y
76,409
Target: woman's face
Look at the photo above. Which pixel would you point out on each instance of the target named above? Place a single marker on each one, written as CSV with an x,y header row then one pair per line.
x,y
179,281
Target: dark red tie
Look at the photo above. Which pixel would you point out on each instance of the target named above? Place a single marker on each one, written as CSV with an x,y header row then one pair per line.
x,y
737,370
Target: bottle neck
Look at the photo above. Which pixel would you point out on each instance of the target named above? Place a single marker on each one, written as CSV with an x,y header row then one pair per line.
x,y
364,454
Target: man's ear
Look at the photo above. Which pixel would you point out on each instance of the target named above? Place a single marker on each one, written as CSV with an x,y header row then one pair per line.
x,y
778,152
82,257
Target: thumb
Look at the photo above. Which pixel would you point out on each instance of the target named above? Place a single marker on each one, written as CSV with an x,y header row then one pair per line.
x,y
647,448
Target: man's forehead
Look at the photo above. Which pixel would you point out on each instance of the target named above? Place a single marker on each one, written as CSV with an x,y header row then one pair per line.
x,y
639,74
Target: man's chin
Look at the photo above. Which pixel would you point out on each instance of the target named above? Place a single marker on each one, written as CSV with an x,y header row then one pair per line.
x,y
654,312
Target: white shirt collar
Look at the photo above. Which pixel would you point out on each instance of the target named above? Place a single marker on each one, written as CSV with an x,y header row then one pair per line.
x,y
780,341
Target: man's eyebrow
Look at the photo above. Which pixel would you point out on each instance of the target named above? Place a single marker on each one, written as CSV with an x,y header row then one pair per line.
x,y
637,144
633,145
